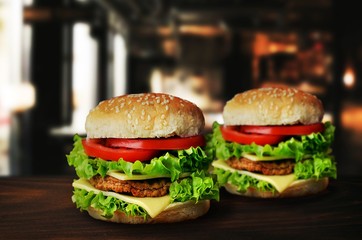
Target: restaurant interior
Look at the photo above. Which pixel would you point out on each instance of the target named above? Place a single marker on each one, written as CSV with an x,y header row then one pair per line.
x,y
59,58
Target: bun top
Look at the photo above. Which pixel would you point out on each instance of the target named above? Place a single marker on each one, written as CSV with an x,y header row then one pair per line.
x,y
273,106
145,115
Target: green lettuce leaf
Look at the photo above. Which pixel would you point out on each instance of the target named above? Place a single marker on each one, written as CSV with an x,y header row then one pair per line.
x,y
107,204
171,163
199,186
297,147
242,181
311,153
318,166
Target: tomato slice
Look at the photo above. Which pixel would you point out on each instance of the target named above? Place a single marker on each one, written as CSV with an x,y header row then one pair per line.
x,y
173,143
284,130
95,148
231,133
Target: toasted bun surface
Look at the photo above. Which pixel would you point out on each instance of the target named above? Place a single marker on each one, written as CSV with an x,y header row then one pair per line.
x,y
174,213
146,115
302,188
273,106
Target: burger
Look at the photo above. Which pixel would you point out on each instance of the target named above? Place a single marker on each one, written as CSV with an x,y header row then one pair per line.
x,y
142,161
273,144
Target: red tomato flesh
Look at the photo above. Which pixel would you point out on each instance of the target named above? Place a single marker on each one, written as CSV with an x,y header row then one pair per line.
x,y
95,148
287,130
172,143
231,133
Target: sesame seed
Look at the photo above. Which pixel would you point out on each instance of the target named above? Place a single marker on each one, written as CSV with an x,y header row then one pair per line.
x,y
163,116
166,107
143,112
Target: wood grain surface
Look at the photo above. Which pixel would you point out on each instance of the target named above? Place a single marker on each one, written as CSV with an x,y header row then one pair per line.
x,y
41,208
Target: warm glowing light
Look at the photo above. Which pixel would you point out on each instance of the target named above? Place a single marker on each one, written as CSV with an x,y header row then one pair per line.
x,y
156,81
349,78
17,97
120,69
205,30
273,48
84,74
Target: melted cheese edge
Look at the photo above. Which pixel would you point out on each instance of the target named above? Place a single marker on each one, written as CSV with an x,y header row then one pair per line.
x,y
123,176
263,158
279,182
253,157
153,205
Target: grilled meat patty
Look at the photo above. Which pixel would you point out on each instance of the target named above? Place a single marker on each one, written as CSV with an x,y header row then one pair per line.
x,y
138,188
280,167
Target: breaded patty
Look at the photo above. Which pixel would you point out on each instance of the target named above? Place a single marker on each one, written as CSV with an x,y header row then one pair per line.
x,y
139,188
280,167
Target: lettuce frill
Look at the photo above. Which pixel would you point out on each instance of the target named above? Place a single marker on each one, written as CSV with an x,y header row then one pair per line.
x,y
198,186
194,188
311,152
171,163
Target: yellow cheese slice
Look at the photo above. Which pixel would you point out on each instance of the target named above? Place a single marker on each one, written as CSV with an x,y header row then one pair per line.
x,y
123,176
153,205
263,158
279,182
253,157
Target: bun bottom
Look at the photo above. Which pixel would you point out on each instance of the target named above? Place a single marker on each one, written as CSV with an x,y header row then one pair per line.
x,y
298,189
176,212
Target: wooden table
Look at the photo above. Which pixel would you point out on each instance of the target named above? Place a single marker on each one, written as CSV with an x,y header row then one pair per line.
x,y
41,208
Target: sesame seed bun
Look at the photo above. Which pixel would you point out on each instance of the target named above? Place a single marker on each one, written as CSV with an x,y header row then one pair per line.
x,y
145,115
273,106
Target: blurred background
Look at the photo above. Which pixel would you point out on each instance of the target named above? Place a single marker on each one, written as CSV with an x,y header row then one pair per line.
x,y
59,58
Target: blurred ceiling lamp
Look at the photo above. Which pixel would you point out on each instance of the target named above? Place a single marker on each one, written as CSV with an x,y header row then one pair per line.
x,y
349,78
17,97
